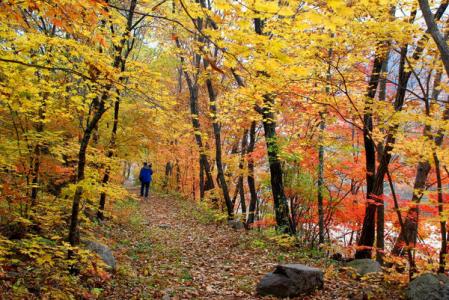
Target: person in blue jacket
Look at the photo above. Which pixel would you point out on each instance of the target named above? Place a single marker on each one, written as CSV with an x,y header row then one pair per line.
x,y
145,177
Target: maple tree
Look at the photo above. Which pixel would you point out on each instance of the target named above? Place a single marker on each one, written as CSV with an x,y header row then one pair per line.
x,y
326,121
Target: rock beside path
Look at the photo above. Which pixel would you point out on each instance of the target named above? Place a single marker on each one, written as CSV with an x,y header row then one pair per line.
x,y
291,280
236,224
365,266
103,252
428,287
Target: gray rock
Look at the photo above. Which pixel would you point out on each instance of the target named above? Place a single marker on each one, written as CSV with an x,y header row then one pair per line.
x,y
236,224
428,287
291,280
103,252
164,226
365,266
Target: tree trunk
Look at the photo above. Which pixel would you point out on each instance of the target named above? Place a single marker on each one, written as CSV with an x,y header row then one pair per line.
x,y
281,208
409,231
434,31
250,178
240,185
218,154
320,182
443,250
87,134
110,152
367,235
36,162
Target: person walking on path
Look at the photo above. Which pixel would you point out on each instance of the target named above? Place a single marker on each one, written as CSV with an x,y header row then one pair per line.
x,y
145,177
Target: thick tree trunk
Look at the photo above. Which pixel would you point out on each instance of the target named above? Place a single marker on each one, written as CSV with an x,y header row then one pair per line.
x,y
368,229
281,208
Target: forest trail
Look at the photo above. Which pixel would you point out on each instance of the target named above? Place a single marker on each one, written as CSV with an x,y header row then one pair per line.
x,y
171,249
186,257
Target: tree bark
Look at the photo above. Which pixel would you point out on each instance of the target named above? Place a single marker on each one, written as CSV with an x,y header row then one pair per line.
x,y
250,179
367,235
438,38
87,134
110,152
36,162
443,250
240,185
368,230
409,231
320,182
281,208
218,154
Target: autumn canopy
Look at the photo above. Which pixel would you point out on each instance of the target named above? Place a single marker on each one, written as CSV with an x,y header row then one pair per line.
x,y
324,122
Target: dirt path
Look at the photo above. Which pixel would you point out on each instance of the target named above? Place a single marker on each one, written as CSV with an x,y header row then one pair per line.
x,y
169,249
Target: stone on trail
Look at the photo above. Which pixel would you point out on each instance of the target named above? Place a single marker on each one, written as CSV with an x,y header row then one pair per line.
x,y
291,280
236,224
164,226
428,287
364,266
103,252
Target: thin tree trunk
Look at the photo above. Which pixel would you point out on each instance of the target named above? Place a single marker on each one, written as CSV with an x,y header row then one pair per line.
x,y
37,152
100,110
368,230
443,250
110,152
435,32
194,112
409,231
320,182
380,216
218,154
178,176
250,178
240,185
201,180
